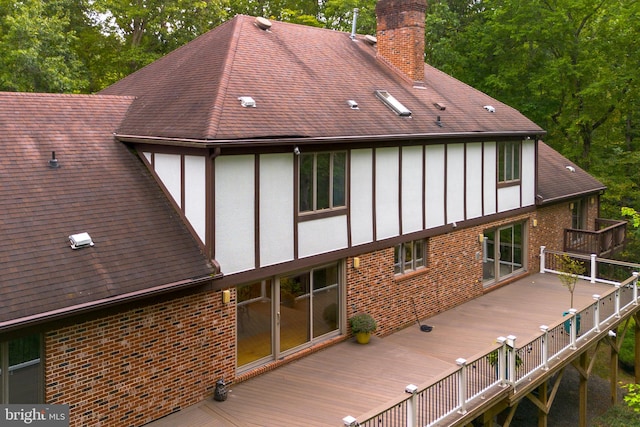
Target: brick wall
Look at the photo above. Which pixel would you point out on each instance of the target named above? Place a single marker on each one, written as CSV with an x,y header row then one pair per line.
x,y
129,368
453,274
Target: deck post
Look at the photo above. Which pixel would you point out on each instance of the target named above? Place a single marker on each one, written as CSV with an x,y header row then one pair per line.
x,y
542,260
462,385
593,268
634,288
502,358
545,347
574,327
636,359
617,300
596,312
511,359
412,409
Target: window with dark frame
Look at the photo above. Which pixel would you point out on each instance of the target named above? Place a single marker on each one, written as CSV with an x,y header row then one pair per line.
x,y
508,161
322,181
409,256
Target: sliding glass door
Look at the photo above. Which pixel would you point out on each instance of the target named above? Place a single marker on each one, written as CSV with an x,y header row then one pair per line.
x,y
290,312
504,252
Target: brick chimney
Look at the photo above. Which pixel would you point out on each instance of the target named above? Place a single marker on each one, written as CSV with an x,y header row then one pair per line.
x,y
400,36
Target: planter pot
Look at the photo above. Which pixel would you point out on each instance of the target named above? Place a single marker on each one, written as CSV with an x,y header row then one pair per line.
x,y
363,337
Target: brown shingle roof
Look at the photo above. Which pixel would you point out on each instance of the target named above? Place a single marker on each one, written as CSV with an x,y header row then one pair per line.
x,y
100,188
559,178
301,78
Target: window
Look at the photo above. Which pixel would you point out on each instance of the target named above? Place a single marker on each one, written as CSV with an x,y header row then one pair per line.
x,y
409,256
20,370
322,181
508,161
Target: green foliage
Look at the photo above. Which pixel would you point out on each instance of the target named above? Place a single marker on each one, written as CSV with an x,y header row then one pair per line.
x,y
632,398
626,354
362,323
618,416
570,270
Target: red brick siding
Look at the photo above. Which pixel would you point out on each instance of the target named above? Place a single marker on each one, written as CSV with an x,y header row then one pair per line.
x,y
129,368
453,274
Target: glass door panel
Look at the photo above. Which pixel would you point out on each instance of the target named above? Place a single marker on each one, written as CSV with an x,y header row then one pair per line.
x,y
325,300
506,252
488,256
254,320
24,370
294,315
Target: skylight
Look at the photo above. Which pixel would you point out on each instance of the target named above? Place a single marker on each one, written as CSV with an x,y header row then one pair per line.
x,y
393,103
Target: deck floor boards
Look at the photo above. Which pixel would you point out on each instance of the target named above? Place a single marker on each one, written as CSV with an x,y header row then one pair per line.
x,y
352,379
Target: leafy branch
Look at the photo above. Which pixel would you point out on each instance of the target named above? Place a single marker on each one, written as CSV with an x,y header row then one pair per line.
x,y
570,271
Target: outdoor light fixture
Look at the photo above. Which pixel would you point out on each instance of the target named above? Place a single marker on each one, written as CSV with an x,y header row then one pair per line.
x,y
296,150
226,296
356,262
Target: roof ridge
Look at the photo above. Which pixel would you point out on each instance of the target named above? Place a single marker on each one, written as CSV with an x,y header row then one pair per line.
x,y
217,107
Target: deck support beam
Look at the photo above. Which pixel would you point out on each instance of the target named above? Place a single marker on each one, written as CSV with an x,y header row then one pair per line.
x,y
584,378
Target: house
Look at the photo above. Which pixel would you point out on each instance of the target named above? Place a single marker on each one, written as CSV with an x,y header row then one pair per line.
x,y
227,208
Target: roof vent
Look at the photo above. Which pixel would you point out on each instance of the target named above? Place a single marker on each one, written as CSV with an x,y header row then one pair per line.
x,y
247,101
53,162
570,168
439,106
80,240
370,39
263,23
353,24
352,104
490,108
393,103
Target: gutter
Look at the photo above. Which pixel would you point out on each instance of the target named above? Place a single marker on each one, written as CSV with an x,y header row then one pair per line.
x,y
102,303
568,196
279,141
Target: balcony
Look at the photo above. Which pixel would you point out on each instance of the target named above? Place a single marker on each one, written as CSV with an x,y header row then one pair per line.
x,y
610,237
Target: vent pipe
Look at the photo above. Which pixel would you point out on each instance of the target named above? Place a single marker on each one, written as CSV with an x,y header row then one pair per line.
x,y
353,24
53,162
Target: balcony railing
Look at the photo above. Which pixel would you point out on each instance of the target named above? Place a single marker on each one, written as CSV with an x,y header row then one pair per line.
x,y
488,376
609,237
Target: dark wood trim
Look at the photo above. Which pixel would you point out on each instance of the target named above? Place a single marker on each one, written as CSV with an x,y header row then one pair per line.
x,y
208,195
182,185
400,154
374,192
325,213
446,183
482,171
296,203
347,199
256,209
424,187
212,206
464,183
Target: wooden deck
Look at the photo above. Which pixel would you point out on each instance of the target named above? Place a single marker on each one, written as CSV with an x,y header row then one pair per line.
x,y
352,379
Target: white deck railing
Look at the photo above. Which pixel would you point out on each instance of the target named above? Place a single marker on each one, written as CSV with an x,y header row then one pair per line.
x,y
474,382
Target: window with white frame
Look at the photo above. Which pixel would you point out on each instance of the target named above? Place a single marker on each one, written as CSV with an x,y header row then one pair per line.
x,y
322,180
409,256
508,161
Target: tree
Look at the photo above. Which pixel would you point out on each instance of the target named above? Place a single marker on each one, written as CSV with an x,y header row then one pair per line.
x,y
570,271
36,47
565,64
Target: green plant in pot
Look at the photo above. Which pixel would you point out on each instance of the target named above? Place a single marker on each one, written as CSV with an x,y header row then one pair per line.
x,y
362,325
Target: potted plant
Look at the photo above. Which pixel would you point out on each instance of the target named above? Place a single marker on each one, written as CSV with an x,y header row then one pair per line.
x,y
362,325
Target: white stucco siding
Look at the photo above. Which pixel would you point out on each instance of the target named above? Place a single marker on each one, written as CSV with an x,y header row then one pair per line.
x,y
474,180
528,173
168,168
235,213
195,194
322,235
387,192
455,182
412,192
276,208
434,176
490,178
508,198
361,196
